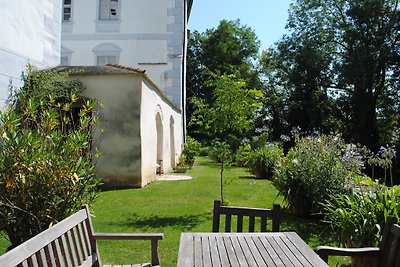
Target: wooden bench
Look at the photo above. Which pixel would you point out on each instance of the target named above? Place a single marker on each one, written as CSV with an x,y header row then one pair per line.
x,y
71,243
240,213
387,254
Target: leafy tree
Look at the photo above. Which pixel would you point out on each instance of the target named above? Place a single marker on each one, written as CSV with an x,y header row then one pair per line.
x,y
359,42
46,161
230,49
230,116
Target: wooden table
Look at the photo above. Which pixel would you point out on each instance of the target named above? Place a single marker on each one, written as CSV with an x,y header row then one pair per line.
x,y
246,249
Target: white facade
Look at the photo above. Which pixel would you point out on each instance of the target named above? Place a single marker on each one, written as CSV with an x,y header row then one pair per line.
x,y
30,33
139,129
150,35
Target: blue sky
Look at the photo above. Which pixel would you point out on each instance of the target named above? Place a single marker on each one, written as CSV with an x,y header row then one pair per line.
x,y
266,17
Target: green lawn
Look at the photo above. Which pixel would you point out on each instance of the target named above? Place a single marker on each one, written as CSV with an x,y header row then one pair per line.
x,y
172,207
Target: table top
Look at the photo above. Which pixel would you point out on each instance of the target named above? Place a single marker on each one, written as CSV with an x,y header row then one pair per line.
x,y
246,249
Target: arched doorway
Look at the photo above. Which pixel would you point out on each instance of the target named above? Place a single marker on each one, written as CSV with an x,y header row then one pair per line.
x,y
160,137
172,141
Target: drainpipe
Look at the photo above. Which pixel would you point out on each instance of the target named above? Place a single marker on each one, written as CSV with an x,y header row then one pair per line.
x,y
184,49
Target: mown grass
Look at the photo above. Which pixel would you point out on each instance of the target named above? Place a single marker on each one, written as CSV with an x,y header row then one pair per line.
x,y
173,207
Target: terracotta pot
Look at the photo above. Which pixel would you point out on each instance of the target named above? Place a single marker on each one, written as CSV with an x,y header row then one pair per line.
x,y
181,169
363,261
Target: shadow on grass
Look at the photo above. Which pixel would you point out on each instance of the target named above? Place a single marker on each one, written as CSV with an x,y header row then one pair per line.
x,y
184,223
312,230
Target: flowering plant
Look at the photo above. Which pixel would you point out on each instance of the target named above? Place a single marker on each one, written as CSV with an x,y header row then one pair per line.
x,y
265,159
315,168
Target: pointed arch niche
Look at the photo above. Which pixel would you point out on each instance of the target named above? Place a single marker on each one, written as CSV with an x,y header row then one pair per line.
x,y
160,138
172,141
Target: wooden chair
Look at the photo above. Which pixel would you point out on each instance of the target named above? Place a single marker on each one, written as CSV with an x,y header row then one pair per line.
x,y
240,212
72,243
387,254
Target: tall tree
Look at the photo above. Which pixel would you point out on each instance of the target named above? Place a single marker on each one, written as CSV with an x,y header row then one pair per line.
x,y
231,48
350,50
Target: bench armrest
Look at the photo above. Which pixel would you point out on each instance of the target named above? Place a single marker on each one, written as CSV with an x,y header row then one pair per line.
x,y
324,252
154,237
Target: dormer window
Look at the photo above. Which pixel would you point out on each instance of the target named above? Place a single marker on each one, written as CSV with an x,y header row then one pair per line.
x,y
109,9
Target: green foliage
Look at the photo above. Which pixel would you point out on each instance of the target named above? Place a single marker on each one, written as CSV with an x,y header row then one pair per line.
x,y
191,149
315,168
222,154
230,116
359,218
265,159
229,49
45,155
242,155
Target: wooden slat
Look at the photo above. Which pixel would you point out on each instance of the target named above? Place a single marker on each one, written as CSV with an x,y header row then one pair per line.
x,y
26,249
75,241
223,253
198,252
264,253
58,257
271,251
215,261
305,250
230,251
71,248
263,227
206,251
252,222
239,227
246,250
65,251
185,258
48,251
82,243
291,255
228,220
238,252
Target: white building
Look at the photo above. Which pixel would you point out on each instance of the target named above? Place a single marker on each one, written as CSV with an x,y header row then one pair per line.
x,y
30,33
150,35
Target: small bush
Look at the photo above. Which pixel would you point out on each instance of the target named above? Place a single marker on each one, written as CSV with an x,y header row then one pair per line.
x,y
191,149
359,218
315,168
265,160
46,161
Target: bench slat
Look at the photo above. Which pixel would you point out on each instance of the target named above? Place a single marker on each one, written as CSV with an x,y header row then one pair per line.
x,y
72,249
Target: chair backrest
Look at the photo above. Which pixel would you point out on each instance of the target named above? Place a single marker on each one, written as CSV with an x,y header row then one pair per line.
x,y
241,212
390,245
68,243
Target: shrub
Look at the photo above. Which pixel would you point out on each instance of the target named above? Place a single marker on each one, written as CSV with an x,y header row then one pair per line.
x,y
359,218
242,155
46,163
315,168
190,150
265,160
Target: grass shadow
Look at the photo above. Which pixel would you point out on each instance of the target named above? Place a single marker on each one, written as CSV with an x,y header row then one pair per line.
x,y
183,223
312,230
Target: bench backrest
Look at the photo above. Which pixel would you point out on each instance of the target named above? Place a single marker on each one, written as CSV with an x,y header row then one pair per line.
x,y
241,213
390,245
68,243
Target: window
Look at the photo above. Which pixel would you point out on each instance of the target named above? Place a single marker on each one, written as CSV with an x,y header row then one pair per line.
x,y
64,61
108,9
104,60
67,10
106,53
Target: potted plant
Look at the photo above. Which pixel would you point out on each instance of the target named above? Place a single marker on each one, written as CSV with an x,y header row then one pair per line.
x,y
191,149
264,160
181,167
242,155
